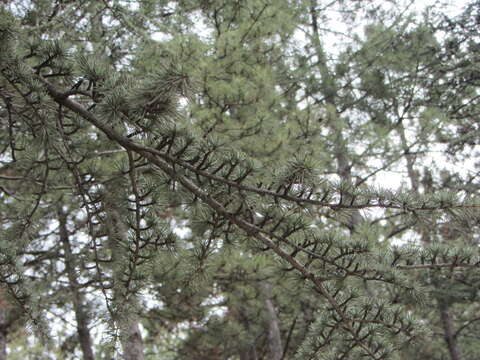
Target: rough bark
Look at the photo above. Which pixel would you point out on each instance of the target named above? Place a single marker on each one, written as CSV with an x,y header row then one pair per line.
x,y
3,326
449,332
344,164
248,351
132,341
445,315
249,354
274,337
78,299
130,336
410,158
308,314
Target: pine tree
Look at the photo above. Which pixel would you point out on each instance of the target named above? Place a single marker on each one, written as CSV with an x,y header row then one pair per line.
x,y
268,148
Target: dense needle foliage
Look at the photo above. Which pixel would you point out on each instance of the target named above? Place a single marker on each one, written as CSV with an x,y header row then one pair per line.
x,y
238,179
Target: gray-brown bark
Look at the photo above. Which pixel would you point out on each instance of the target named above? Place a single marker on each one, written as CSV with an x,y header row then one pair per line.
x,y
445,315
130,336
132,341
249,354
410,158
274,337
3,327
340,151
247,350
81,315
449,332
344,171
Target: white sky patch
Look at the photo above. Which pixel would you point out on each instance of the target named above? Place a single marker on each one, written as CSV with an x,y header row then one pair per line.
x,y
181,229
216,306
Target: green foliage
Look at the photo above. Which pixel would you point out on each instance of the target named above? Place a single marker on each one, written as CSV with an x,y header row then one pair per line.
x,y
223,192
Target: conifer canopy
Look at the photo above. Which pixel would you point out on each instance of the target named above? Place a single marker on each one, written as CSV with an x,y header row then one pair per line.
x,y
239,179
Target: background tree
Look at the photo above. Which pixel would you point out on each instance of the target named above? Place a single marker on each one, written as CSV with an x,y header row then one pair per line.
x,y
267,146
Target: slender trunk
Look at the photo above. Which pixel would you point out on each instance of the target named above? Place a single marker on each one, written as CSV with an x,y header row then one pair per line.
x,y
3,326
410,158
130,336
249,354
81,315
344,164
248,351
449,332
344,170
414,178
445,315
307,311
132,343
3,339
274,338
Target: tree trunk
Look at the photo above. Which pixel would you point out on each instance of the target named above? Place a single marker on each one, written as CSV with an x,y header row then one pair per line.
x,y
247,351
132,341
445,315
249,354
274,338
3,326
78,299
344,164
449,332
130,336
